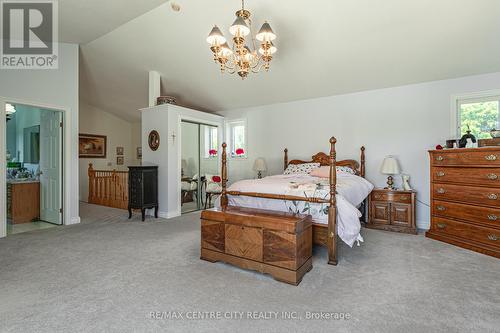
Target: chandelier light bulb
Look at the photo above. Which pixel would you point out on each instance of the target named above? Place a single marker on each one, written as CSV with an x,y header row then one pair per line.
x,y
239,28
265,34
216,37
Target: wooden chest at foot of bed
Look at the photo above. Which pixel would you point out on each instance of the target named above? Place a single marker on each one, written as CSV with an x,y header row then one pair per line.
x,y
275,243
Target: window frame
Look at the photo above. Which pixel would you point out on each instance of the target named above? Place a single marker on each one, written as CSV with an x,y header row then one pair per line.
x,y
458,100
230,124
208,142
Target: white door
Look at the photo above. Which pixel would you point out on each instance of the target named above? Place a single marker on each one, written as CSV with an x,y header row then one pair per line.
x,y
50,166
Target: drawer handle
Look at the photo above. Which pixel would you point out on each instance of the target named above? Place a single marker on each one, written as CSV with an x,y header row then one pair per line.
x,y
491,157
441,225
332,234
441,191
492,176
492,196
440,174
493,237
441,208
377,196
492,217
439,158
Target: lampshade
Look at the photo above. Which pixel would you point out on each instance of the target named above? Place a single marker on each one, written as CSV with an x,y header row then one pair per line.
x,y
390,166
260,165
225,50
239,28
266,34
216,37
272,49
248,55
9,109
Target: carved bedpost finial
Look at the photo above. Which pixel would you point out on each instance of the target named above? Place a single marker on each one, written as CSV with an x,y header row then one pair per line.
x,y
362,161
332,210
285,160
91,169
223,198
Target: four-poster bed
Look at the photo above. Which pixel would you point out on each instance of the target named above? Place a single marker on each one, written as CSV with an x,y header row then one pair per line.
x,y
216,233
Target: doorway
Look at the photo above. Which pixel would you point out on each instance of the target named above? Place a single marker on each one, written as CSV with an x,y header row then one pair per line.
x,y
200,181
34,152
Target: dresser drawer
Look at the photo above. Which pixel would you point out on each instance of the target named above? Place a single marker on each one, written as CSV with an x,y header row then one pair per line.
x,y
467,194
484,215
479,176
243,241
467,232
390,196
486,157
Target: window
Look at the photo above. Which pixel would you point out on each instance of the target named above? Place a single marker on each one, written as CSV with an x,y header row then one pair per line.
x,y
481,115
211,146
236,133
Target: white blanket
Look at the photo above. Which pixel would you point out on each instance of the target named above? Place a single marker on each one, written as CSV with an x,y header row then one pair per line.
x,y
351,191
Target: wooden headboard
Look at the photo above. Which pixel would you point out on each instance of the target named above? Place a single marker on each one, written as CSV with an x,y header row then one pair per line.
x,y
324,160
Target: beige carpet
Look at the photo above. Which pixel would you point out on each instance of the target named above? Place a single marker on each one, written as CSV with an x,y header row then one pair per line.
x,y
109,274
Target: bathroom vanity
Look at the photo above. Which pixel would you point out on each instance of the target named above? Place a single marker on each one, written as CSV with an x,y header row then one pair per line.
x,y
23,200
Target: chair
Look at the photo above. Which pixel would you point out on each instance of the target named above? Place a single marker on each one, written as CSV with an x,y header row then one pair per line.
x,y
189,188
213,187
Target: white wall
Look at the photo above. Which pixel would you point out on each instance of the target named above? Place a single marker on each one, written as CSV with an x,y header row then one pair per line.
x,y
166,119
403,121
119,133
57,89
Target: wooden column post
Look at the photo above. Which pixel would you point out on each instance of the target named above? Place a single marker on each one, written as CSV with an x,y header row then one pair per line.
x,y
363,161
285,159
223,198
91,174
332,210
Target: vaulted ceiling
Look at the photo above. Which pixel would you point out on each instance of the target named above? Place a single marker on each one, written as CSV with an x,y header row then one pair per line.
x,y
325,47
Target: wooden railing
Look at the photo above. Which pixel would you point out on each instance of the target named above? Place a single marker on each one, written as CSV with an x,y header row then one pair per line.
x,y
108,187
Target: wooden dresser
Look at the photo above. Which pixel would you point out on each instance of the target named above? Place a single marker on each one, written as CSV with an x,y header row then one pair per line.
x,y
465,198
392,210
275,243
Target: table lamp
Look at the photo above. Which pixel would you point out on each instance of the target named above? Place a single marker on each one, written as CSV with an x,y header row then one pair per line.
x,y
259,166
390,167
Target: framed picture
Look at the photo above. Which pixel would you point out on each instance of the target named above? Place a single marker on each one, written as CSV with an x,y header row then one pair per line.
x,y
119,160
139,153
91,146
119,151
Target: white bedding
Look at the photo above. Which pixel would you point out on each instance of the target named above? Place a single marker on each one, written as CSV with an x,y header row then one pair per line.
x,y
351,191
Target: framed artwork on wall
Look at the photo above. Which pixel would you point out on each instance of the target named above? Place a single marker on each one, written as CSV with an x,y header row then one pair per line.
x,y
139,153
119,151
119,160
91,146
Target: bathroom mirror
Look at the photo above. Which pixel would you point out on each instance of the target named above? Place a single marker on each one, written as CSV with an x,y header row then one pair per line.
x,y
31,144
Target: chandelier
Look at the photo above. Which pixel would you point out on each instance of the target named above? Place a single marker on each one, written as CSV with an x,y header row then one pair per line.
x,y
240,58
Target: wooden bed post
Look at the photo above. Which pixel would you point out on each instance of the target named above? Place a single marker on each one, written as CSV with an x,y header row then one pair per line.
x,y
285,160
332,210
363,161
223,198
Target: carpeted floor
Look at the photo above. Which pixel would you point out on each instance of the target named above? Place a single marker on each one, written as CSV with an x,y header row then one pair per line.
x,y
109,274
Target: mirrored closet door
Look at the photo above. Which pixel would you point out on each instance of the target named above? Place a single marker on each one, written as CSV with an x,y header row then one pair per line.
x,y
200,180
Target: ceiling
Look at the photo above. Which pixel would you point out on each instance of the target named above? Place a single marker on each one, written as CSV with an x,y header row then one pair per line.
x,y
82,21
324,48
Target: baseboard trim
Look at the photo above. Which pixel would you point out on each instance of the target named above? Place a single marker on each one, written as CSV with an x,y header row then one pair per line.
x,y
74,220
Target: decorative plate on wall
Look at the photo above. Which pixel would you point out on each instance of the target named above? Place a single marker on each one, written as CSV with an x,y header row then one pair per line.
x,y
154,140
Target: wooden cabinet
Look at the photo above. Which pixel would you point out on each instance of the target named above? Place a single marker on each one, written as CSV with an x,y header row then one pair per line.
x,y
465,198
392,210
23,201
275,243
143,189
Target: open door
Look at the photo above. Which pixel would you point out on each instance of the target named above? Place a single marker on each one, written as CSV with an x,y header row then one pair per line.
x,y
50,166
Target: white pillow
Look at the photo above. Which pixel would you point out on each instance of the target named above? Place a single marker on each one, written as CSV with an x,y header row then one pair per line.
x,y
304,168
346,169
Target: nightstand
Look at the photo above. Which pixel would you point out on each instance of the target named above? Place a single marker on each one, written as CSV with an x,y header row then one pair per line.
x,y
392,210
